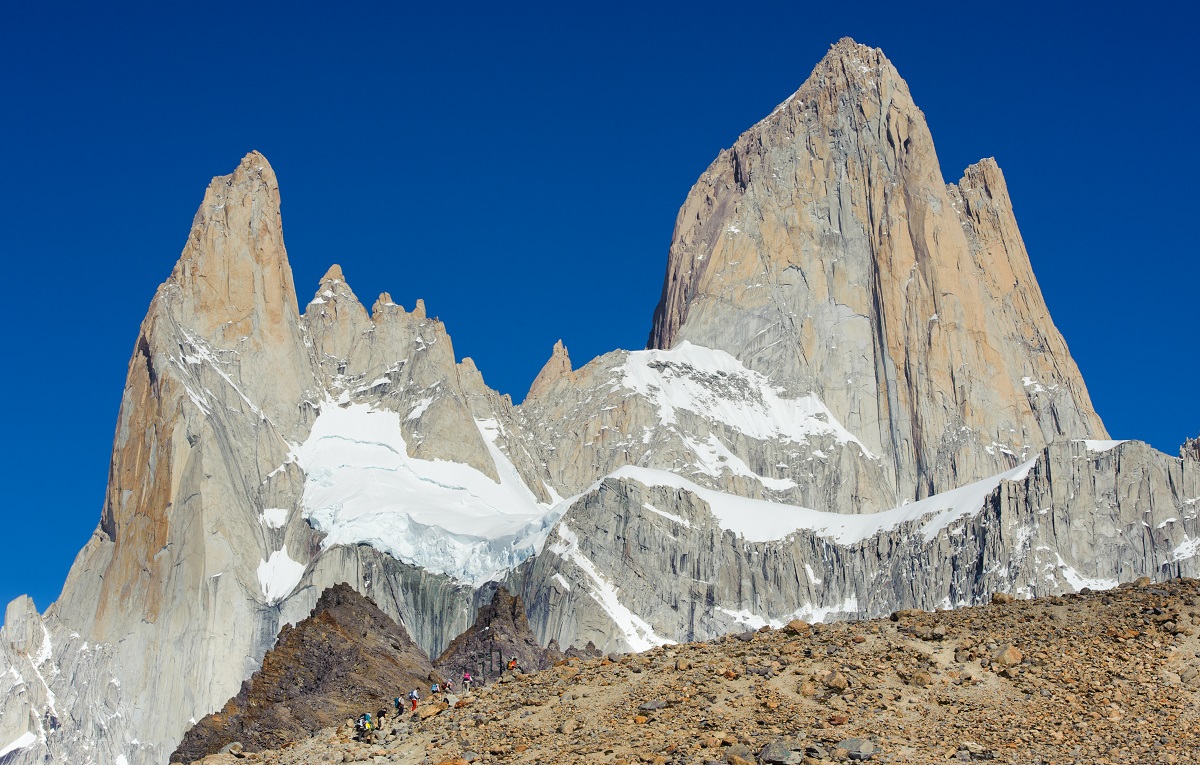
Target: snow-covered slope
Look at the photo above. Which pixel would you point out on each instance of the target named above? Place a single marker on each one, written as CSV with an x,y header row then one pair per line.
x,y
362,487
715,385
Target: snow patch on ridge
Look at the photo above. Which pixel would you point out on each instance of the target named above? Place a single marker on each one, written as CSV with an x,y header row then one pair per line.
x,y
715,385
808,612
636,631
812,614
747,618
715,458
362,487
1189,548
274,517
1099,447
669,516
25,740
1078,582
757,520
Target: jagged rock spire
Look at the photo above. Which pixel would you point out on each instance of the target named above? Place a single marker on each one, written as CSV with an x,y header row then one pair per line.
x,y
557,367
233,277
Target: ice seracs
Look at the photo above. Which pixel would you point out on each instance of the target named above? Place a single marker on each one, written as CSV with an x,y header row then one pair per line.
x,y
361,486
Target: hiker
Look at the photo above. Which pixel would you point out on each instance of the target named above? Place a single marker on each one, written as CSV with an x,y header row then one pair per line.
x,y
363,727
434,689
512,665
414,697
396,701
448,687
466,681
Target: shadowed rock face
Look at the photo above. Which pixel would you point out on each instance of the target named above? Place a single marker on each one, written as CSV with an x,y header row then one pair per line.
x,y
347,658
501,632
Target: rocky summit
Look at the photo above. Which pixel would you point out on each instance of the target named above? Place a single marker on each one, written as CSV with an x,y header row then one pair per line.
x,y
320,671
500,635
1094,677
854,401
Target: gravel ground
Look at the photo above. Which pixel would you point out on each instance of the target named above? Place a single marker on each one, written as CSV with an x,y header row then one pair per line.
x,y
1095,677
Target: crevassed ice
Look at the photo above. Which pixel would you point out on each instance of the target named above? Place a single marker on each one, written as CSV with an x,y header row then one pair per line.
x,y
361,486
717,386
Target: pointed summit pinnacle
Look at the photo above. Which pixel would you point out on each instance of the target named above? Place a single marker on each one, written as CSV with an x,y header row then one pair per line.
x,y
334,274
558,366
233,277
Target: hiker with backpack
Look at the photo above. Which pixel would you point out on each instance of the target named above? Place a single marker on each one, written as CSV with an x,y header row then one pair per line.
x,y
363,727
414,697
466,681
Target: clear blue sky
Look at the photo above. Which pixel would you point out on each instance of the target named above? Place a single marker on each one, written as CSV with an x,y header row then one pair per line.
x,y
520,169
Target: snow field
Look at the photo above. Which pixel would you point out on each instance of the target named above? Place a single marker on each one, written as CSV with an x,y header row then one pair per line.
x,y
362,487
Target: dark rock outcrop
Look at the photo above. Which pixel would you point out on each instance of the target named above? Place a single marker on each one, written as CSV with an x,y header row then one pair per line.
x,y
348,657
501,633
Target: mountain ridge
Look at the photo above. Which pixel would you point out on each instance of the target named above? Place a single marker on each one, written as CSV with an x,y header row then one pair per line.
x,y
263,454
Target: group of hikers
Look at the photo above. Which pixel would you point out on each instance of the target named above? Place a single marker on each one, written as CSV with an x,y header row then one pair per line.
x,y
366,725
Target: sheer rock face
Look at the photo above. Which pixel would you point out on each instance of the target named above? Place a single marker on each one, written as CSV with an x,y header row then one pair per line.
x,y
346,658
1030,538
825,250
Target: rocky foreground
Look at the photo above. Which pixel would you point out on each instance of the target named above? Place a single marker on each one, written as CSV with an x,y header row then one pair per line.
x,y
1094,677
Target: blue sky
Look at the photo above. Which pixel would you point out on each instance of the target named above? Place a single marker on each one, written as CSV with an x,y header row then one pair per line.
x,y
520,168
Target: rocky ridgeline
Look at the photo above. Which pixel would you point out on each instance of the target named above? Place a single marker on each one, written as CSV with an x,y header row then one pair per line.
x,y
501,633
1093,677
318,672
